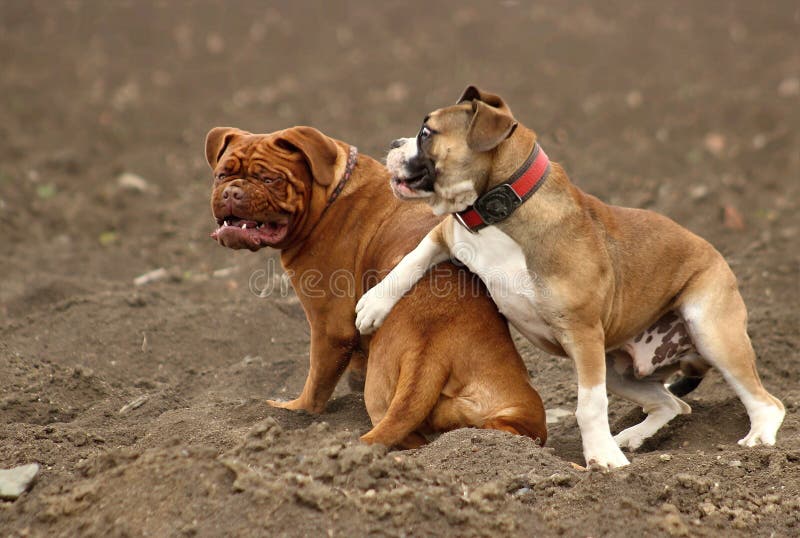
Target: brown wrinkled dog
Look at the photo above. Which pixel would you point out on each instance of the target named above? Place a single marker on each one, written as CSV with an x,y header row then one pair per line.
x,y
628,294
444,359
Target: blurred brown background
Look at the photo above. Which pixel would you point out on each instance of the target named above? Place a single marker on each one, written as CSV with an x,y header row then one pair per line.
x,y
688,108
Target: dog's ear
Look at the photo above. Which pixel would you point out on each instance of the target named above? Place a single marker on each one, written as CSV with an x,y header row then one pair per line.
x,y
472,93
319,151
217,141
492,121
489,126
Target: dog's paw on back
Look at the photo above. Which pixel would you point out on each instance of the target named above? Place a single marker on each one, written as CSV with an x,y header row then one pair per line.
x,y
372,309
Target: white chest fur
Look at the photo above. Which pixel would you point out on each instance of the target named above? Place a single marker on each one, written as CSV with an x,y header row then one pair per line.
x,y
499,261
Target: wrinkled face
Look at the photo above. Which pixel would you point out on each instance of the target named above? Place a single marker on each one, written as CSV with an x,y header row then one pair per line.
x,y
261,189
438,165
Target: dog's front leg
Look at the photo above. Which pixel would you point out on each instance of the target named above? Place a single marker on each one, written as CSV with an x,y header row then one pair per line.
x,y
330,355
375,305
587,349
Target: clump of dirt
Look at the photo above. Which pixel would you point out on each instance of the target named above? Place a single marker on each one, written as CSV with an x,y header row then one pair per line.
x,y
686,495
274,481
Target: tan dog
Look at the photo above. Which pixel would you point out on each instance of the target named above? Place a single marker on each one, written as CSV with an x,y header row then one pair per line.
x,y
628,294
445,358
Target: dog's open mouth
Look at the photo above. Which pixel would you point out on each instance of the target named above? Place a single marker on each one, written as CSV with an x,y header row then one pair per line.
x,y
418,186
238,233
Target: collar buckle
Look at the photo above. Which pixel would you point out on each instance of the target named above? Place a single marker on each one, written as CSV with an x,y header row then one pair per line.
x,y
497,204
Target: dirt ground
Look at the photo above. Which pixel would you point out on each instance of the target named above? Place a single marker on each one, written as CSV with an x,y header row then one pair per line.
x,y
145,404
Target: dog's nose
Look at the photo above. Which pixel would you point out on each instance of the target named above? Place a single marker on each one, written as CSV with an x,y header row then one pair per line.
x,y
396,143
232,192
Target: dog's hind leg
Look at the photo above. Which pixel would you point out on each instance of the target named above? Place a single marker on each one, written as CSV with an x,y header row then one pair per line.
x,y
418,387
716,318
655,400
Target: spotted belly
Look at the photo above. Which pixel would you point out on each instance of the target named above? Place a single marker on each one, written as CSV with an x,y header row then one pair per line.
x,y
665,343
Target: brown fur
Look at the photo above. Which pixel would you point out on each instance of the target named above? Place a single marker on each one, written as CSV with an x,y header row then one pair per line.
x,y
616,270
440,362
604,273
627,267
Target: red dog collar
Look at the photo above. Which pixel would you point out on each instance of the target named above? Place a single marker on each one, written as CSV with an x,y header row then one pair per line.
x,y
500,202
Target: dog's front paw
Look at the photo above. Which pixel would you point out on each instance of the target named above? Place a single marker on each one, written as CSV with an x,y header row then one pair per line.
x,y
606,458
294,405
372,309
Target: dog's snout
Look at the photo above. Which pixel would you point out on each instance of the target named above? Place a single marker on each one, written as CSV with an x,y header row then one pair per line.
x,y
232,192
397,143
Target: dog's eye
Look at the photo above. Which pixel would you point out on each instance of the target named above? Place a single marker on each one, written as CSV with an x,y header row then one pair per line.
x,y
424,133
221,176
267,179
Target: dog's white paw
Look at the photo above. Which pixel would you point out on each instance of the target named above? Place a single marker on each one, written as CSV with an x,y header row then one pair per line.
x,y
372,309
607,457
630,438
764,427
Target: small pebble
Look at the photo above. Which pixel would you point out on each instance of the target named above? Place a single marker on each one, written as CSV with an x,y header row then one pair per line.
x,y
132,182
16,481
715,143
789,87
698,192
151,276
135,404
554,415
732,219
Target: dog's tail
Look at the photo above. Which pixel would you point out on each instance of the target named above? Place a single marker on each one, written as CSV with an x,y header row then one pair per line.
x,y
691,374
684,385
